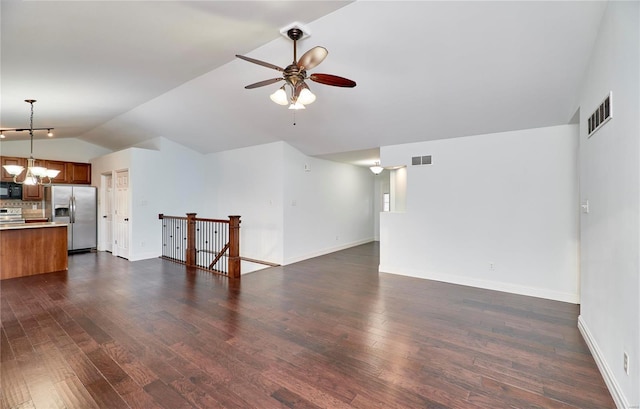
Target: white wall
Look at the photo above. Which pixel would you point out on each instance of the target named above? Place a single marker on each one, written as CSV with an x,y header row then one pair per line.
x,y
610,181
333,202
398,187
248,182
184,180
64,149
328,206
380,187
495,211
289,214
170,180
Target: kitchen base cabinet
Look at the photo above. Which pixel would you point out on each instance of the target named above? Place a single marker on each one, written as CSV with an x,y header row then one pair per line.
x,y
32,248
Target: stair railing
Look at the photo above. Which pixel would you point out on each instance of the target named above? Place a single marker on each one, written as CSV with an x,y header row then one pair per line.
x,y
210,244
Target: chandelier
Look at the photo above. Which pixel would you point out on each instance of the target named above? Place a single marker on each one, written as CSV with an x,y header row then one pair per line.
x,y
36,175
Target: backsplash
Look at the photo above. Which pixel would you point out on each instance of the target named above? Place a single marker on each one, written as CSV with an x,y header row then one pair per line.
x,y
30,209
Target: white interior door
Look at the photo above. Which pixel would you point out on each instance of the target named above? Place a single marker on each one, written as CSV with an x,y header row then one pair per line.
x,y
107,212
121,215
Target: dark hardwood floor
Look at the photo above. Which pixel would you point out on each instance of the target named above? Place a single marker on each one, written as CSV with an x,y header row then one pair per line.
x,y
329,332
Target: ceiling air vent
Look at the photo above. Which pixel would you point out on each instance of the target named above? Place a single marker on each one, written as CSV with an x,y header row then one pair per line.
x,y
600,116
421,160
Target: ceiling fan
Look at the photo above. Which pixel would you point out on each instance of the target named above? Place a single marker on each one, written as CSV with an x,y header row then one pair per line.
x,y
295,74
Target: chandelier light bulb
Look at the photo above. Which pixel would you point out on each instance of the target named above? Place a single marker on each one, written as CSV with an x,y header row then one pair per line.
x,y
30,179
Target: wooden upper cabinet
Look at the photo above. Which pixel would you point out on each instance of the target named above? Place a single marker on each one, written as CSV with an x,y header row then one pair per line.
x,y
32,192
79,173
62,167
7,160
70,172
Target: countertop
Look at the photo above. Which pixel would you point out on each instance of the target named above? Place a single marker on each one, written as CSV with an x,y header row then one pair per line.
x,y
20,226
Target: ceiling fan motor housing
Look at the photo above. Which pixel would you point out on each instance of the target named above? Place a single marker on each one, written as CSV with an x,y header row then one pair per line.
x,y
293,74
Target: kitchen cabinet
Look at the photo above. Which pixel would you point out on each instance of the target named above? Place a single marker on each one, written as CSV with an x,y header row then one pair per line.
x,y
32,192
70,172
7,160
32,248
79,173
58,165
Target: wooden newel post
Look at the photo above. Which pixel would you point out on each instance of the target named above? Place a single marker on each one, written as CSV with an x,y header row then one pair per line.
x,y
234,246
190,256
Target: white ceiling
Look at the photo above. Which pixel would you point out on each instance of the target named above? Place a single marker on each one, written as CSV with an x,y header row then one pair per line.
x,y
117,73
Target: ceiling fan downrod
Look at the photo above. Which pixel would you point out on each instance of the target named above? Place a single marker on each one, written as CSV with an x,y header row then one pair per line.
x,y
295,34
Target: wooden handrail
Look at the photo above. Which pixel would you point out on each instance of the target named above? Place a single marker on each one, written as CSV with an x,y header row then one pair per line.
x,y
162,216
198,219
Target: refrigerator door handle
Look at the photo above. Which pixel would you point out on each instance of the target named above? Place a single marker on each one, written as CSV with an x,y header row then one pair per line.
x,y
72,207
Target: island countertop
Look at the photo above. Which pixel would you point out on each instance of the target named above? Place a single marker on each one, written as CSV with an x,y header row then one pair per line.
x,y
32,248
18,226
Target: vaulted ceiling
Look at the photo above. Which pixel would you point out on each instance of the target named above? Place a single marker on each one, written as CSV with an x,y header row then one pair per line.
x,y
117,73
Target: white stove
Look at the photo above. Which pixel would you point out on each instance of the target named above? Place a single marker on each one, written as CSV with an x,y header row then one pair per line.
x,y
11,215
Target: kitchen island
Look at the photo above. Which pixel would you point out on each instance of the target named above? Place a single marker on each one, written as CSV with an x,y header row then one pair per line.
x,y
32,248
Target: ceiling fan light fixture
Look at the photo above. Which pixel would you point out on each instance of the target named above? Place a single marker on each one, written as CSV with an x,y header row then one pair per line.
x,y
295,73
306,97
297,105
280,96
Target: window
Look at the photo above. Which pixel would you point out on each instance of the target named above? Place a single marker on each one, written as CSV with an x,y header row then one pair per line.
x,y
386,202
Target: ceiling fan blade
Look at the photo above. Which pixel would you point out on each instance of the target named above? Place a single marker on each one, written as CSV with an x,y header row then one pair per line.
x,y
334,80
263,83
264,64
312,58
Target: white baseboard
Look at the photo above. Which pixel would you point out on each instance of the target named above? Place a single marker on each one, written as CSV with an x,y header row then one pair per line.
x,y
486,284
144,256
322,252
607,374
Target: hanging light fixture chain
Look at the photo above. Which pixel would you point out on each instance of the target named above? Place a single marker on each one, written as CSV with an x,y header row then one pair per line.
x,y
35,175
31,101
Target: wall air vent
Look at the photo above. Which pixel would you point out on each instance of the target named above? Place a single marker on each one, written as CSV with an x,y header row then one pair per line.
x,y
600,116
421,160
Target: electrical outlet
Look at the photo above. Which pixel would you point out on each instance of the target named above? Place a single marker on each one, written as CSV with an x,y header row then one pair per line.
x,y
626,363
492,266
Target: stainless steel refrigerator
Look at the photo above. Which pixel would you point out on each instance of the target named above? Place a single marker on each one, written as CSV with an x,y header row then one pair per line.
x,y
77,206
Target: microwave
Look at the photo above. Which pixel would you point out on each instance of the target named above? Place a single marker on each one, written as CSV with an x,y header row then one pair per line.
x,y
10,190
